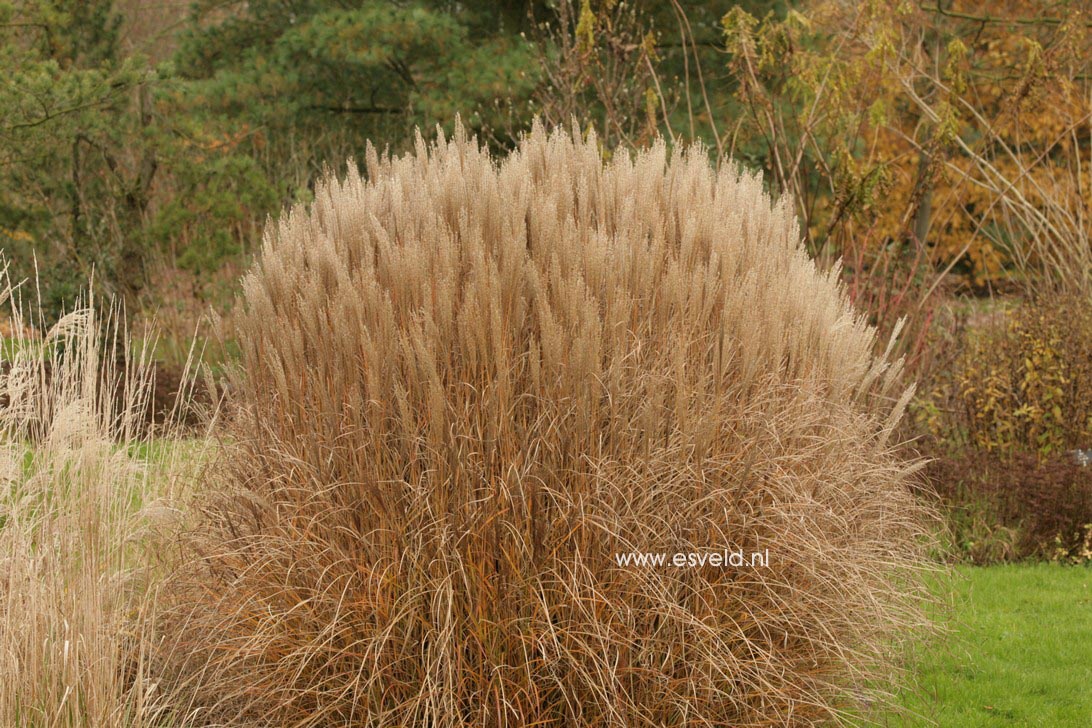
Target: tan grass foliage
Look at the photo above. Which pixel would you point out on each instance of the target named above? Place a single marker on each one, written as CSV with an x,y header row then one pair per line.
x,y
468,382
78,490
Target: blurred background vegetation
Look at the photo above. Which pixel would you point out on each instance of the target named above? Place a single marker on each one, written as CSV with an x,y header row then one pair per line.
x,y
938,151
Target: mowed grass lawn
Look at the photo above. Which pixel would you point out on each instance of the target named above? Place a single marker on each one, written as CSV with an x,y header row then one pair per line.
x,y
1019,653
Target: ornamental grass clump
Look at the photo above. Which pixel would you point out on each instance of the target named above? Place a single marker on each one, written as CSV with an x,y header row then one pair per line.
x,y
469,383
83,487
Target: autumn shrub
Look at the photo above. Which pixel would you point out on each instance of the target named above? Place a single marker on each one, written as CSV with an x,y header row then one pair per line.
x,y
1004,420
1023,384
956,128
467,383
1009,509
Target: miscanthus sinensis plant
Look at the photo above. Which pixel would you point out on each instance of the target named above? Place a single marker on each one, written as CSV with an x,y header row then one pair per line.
x,y
468,382
84,488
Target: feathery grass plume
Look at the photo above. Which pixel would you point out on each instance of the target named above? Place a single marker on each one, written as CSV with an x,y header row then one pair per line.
x,y
80,476
467,383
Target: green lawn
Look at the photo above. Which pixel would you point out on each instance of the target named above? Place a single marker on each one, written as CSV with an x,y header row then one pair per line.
x,y
1019,654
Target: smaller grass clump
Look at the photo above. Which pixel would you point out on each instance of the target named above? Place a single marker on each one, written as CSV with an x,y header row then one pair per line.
x,y
78,492
467,383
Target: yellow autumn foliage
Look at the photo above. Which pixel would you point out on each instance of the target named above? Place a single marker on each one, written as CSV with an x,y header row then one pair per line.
x,y
1025,384
962,127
